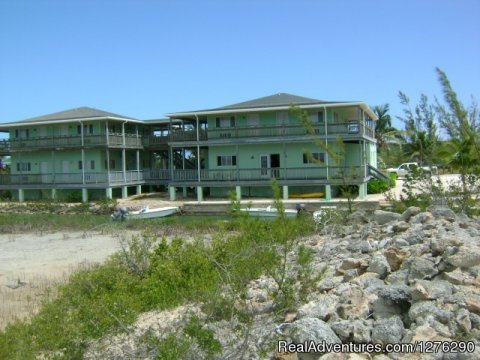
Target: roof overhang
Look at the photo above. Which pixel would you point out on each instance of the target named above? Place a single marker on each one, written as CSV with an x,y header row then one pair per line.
x,y
193,114
6,126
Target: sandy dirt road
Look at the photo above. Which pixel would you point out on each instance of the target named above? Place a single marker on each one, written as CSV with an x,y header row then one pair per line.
x,y
32,264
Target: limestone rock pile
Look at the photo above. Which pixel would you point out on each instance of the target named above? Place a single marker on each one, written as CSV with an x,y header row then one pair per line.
x,y
391,279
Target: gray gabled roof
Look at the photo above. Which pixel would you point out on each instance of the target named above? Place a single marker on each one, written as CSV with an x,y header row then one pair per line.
x,y
273,101
78,113
280,99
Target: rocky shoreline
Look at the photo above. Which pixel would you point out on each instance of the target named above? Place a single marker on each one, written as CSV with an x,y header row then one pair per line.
x,y
390,278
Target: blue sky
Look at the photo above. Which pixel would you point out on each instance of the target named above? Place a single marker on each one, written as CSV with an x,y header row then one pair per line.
x,y
145,58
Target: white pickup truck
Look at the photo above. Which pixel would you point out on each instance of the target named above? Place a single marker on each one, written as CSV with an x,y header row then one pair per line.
x,y
405,168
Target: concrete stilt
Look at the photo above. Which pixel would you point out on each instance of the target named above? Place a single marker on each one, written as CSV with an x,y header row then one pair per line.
x,y
124,192
54,194
139,189
362,191
285,192
328,192
108,193
172,192
84,195
199,193
21,195
238,191
184,192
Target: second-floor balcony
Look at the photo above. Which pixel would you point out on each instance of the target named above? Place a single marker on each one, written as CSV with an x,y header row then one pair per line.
x,y
111,178
53,142
352,128
332,174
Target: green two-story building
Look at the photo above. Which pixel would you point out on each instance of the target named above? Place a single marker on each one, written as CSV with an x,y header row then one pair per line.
x,y
239,147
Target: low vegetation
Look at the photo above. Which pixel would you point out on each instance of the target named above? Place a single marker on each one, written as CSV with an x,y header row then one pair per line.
x,y
155,274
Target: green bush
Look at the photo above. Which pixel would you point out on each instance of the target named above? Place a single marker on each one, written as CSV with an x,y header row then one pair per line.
x,y
379,186
74,196
147,275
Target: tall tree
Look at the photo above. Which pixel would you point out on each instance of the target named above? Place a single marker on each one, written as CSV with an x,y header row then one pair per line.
x,y
383,125
421,133
462,151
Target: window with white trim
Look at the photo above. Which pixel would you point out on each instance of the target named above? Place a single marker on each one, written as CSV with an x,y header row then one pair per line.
x,y
313,158
225,121
87,129
316,117
24,166
226,160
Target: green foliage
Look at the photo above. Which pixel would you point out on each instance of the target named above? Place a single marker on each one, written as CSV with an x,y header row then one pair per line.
x,y
74,196
204,337
384,132
306,274
172,347
149,274
5,195
376,186
460,151
420,129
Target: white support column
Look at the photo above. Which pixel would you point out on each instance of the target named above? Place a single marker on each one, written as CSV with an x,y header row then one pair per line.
x,y
138,164
83,166
21,195
107,138
363,122
328,192
199,194
184,192
124,157
172,192
285,192
124,192
53,167
198,148
139,189
136,134
362,191
238,191
108,166
124,165
83,153
325,121
54,194
108,193
84,195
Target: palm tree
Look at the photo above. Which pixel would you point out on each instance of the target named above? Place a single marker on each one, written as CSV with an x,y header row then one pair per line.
x,y
383,125
420,129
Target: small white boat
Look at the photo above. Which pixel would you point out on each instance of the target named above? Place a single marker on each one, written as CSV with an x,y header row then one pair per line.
x,y
268,212
147,213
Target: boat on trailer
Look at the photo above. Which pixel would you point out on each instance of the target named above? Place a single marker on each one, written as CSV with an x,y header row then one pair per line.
x,y
147,213
269,212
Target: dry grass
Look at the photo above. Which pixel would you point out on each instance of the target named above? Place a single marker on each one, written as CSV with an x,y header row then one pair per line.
x,y
22,297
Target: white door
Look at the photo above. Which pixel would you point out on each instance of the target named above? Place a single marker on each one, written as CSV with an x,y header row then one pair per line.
x,y
44,172
282,119
42,131
253,123
65,171
264,166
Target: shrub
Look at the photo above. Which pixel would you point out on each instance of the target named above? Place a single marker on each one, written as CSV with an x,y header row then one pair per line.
x,y
74,196
376,186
